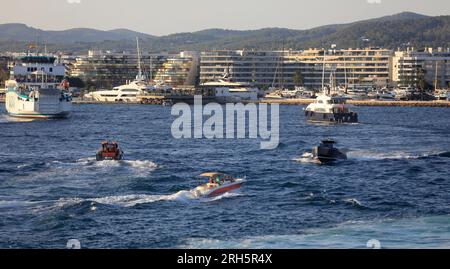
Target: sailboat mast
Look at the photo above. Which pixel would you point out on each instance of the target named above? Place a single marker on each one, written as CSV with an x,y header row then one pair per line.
x,y
323,70
139,58
282,67
345,75
151,68
436,76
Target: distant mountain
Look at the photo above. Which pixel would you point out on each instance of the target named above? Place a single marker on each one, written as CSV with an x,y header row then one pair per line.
x,y
389,31
22,32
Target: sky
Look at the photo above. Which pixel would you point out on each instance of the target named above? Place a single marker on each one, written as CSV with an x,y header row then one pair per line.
x,y
164,17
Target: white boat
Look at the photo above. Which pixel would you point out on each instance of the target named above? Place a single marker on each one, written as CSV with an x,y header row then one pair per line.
x,y
129,92
37,88
441,94
229,91
218,184
40,103
403,93
2,95
124,93
330,109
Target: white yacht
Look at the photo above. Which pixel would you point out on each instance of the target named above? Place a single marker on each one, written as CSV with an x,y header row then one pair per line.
x,y
229,91
124,93
403,93
129,92
330,109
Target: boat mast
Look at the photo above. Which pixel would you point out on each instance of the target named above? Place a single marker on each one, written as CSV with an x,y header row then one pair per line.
x,y
139,59
323,71
345,75
282,68
151,68
436,76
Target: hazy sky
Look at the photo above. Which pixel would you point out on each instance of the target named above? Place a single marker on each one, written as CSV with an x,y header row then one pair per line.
x,y
161,17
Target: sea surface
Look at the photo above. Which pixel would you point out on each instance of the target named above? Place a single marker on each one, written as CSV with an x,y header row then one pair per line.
x,y
394,188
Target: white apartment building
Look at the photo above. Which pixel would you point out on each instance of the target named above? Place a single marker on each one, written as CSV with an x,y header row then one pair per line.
x,y
290,68
434,63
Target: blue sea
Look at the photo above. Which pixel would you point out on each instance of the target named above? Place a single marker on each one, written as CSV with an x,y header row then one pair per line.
x,y
394,188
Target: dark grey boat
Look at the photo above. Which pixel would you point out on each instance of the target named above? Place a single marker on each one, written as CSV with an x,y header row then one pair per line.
x,y
326,152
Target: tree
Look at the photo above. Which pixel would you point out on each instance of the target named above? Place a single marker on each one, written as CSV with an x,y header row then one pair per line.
x,y
3,76
298,78
421,83
76,82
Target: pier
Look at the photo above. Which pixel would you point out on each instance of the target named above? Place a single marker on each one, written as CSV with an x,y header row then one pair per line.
x,y
297,101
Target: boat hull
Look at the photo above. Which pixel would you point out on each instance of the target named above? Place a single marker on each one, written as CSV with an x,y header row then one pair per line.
x,y
204,191
349,117
62,115
50,106
327,155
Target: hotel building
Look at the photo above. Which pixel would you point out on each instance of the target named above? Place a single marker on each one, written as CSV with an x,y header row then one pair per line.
x,y
289,68
434,64
108,69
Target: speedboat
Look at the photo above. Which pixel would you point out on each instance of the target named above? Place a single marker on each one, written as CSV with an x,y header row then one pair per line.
x,y
326,152
109,151
218,184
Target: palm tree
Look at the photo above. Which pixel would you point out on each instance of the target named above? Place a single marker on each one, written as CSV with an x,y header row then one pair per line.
x,y
298,78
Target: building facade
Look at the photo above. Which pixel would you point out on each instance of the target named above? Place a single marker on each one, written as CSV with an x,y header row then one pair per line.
x,y
287,69
107,70
179,70
409,66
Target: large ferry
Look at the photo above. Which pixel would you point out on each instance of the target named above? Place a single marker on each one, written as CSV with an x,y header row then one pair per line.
x,y
37,88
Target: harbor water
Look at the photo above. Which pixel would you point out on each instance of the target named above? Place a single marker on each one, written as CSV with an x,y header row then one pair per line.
x,y
394,187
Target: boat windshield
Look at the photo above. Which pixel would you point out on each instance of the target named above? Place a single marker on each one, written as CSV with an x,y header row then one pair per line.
x,y
338,101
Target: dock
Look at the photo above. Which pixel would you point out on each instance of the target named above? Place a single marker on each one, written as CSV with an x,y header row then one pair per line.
x,y
297,101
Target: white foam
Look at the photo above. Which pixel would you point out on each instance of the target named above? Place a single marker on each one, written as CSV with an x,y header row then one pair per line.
x,y
428,232
142,165
307,157
222,196
14,203
136,199
128,200
353,201
396,155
